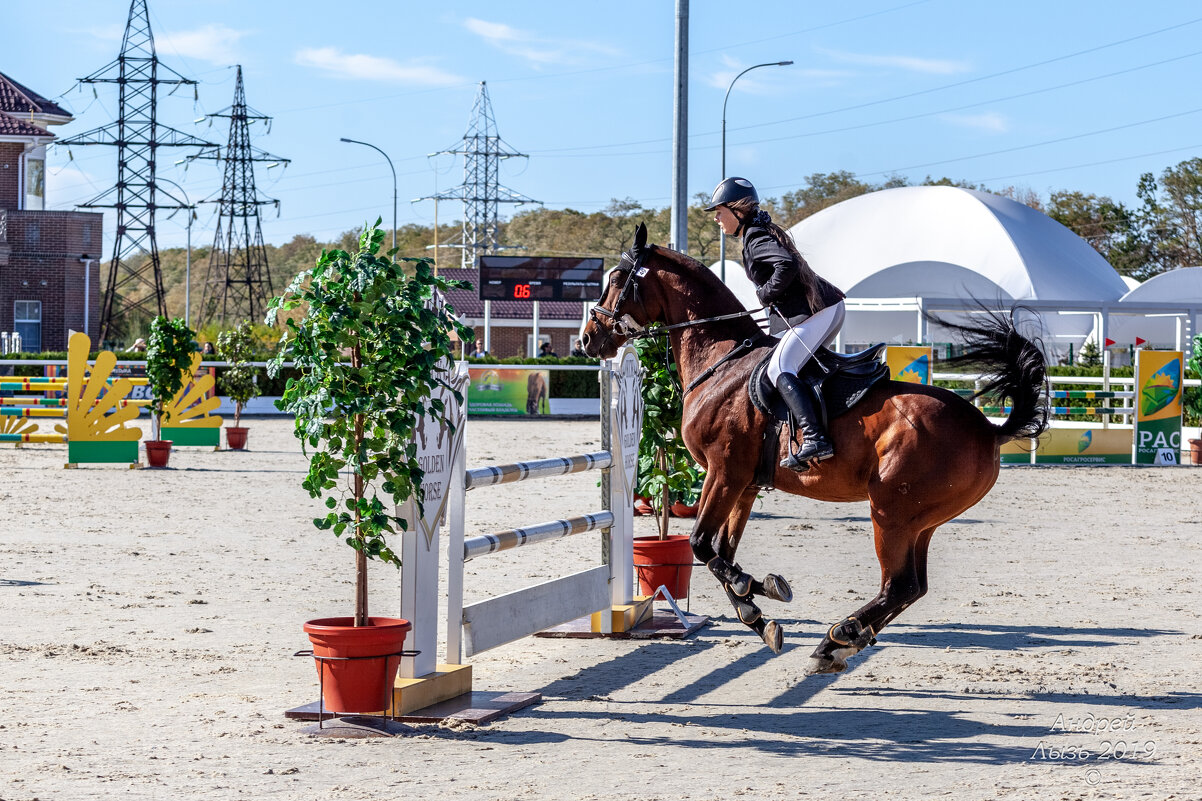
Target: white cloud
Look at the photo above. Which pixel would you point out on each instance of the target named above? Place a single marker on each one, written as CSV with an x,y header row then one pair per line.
x,y
496,31
216,44
989,121
769,79
373,68
535,49
931,66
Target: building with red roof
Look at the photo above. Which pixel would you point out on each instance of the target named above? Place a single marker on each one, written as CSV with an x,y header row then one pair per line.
x,y
510,323
49,260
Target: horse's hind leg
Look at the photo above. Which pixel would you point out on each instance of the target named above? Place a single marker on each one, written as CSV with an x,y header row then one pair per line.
x,y
740,587
903,581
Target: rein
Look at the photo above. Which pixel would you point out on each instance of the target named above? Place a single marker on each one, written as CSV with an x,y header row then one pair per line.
x,y
630,288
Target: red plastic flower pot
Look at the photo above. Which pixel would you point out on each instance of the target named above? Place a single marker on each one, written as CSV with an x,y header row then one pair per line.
x,y
350,682
683,509
158,451
235,437
668,562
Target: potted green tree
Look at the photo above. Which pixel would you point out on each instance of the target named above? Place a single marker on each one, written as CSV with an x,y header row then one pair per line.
x,y
667,472
237,346
369,350
1194,406
168,360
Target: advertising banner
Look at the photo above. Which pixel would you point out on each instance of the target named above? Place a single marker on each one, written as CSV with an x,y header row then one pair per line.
x,y
1084,446
909,363
517,390
1018,451
1157,406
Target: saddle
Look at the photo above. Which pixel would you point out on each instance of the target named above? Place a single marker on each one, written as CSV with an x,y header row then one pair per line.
x,y
848,380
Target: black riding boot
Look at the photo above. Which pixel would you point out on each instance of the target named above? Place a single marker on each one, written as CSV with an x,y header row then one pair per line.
x,y
815,446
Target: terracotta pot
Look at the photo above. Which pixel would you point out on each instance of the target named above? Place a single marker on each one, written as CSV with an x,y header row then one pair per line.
x,y
1195,451
235,437
158,451
668,562
683,510
357,685
642,506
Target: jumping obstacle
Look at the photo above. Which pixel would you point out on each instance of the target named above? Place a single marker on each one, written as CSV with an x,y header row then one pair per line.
x,y
186,419
97,409
427,690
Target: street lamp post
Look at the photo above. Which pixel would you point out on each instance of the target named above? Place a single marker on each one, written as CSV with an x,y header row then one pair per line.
x,y
191,209
722,234
385,155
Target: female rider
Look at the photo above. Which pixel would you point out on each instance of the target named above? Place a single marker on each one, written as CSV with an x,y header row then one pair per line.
x,y
806,309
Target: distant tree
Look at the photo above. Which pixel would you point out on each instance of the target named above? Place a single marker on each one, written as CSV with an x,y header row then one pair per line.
x,y
945,181
1090,356
822,189
1110,228
1171,216
703,232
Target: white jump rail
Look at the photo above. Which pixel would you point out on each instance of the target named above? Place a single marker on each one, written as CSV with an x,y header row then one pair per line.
x,y
477,627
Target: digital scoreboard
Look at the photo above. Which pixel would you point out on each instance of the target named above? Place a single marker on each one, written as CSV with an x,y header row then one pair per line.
x,y
539,278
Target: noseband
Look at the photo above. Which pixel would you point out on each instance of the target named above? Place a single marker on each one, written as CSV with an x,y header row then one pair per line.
x,y
624,326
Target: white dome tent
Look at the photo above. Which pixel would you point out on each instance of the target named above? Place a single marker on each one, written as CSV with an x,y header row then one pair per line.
x,y
898,252
1146,312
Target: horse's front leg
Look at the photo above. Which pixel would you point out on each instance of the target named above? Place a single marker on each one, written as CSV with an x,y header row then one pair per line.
x,y
720,521
772,586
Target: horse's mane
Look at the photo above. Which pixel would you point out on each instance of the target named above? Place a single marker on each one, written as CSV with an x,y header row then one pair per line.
x,y
704,279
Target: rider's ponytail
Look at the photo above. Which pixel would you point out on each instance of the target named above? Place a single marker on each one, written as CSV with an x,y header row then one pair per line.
x,y
748,212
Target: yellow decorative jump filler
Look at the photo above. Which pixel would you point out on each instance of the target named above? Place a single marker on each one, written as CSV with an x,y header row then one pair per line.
x,y
186,419
98,427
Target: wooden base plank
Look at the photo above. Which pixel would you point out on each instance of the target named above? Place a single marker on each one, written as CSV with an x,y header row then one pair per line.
x,y
445,683
474,707
358,727
662,625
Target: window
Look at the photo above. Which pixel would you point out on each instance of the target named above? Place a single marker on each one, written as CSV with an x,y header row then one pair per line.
x,y
27,321
86,234
33,234
531,350
35,184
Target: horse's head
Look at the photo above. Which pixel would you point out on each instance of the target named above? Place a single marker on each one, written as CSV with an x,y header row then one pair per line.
x,y
625,307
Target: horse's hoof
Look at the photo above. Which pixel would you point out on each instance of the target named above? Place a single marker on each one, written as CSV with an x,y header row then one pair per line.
x,y
774,636
825,665
776,588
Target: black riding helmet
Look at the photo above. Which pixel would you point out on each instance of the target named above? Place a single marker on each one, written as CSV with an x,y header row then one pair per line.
x,y
730,190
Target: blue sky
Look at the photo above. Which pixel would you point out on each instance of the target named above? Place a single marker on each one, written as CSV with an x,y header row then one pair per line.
x,y
1080,95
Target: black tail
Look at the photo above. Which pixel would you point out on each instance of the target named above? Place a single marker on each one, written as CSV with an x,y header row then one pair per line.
x,y
1014,369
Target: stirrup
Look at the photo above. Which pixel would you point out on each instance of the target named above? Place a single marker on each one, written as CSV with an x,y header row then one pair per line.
x,y
799,462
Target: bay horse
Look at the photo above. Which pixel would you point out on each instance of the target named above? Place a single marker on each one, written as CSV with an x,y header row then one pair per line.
x,y
920,455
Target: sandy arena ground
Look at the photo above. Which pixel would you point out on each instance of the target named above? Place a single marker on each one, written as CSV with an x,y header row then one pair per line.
x,y
150,617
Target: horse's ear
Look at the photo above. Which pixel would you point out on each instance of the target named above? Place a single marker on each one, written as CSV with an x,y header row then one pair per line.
x,y
640,237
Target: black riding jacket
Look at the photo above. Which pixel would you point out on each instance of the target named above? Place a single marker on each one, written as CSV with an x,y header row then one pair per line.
x,y
778,277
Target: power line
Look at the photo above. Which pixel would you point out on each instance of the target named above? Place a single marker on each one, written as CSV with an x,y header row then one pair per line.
x,y
908,95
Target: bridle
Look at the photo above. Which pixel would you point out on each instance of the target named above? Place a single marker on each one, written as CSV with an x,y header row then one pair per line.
x,y
627,326
624,326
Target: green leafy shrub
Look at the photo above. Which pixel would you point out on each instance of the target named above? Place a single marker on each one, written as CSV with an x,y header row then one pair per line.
x,y
169,351
237,347
667,471
368,352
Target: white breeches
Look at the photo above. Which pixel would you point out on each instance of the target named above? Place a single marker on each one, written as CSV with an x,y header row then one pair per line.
x,y
796,346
